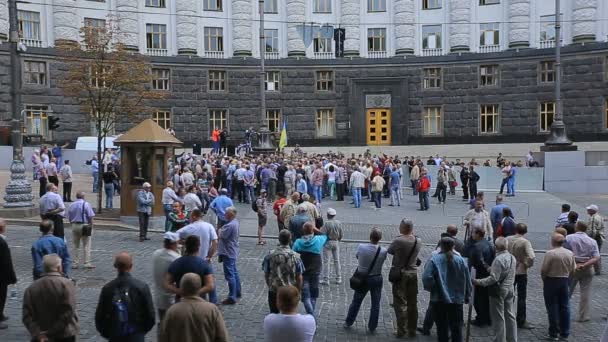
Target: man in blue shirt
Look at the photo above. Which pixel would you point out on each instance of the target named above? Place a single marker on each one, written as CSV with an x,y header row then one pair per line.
x,y
395,187
228,251
496,213
511,181
49,244
219,206
191,262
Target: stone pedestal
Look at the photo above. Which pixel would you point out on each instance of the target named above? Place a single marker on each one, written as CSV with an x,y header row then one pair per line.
x,y
18,190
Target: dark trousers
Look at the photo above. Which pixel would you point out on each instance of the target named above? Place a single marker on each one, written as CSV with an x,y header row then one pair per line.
x,y
377,196
555,291
239,187
65,339
43,181
3,293
54,180
374,287
521,284
481,302
272,302
144,220
473,190
340,191
67,191
465,191
414,184
57,224
423,198
449,319
502,185
137,337
429,318
442,192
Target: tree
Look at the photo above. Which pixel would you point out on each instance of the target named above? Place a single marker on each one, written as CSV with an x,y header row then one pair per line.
x,y
109,82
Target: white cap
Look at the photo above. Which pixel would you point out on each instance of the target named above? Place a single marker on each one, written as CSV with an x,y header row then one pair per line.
x,y
331,211
147,185
593,207
173,237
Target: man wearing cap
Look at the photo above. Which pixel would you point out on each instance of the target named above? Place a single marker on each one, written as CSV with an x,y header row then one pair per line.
x,y
219,206
333,229
596,232
161,259
145,202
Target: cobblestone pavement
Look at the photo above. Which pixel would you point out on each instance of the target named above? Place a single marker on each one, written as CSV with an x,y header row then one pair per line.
x,y
244,320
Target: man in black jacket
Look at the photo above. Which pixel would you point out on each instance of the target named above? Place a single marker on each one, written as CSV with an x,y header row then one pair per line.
x,y
7,272
481,254
128,294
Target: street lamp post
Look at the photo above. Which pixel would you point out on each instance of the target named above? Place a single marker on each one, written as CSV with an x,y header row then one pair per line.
x,y
558,139
264,142
19,190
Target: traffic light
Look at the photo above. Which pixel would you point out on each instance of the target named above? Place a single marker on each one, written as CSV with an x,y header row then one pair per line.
x,y
53,122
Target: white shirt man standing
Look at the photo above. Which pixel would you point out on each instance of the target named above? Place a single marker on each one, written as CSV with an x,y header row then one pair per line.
x,y
161,259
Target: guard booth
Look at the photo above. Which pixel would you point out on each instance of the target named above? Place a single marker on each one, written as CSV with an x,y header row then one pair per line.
x,y
145,153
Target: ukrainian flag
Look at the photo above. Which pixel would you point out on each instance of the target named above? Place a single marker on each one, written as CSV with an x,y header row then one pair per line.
x,y
283,140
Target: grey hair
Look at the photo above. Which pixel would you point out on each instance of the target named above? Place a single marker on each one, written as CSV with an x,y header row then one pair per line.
x,y
80,194
300,209
190,284
501,244
305,197
406,224
232,210
51,262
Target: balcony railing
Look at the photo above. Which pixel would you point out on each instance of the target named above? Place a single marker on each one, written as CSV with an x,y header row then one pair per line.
x,y
547,44
489,48
271,55
377,54
323,55
432,52
31,42
157,52
214,54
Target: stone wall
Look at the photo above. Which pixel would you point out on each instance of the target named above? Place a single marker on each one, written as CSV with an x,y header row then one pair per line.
x,y
518,94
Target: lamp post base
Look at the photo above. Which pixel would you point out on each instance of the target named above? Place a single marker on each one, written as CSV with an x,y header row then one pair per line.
x,y
18,190
558,140
265,143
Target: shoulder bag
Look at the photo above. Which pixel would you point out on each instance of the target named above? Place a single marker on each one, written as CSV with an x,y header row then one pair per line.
x,y
87,228
394,275
494,289
358,281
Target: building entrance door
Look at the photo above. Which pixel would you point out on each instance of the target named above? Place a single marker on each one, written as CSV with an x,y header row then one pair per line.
x,y
378,126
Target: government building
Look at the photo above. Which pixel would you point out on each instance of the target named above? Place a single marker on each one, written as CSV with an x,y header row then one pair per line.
x,y
338,72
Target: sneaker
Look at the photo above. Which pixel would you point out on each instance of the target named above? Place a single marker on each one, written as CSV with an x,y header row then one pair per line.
x,y
346,325
551,338
324,282
89,266
526,325
563,338
228,301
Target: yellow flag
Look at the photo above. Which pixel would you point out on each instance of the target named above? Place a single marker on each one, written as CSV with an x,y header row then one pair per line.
x,y
283,140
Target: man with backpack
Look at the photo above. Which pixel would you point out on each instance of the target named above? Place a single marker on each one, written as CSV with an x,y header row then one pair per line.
x,y
125,312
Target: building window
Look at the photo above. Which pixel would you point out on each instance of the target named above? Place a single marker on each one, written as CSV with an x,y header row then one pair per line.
x,y
322,6
547,72
217,80
272,81
218,118
94,23
271,40
431,4
271,6
432,121
36,120
273,120
107,125
160,80
376,5
29,25
155,3
214,39
98,77
34,72
488,119
488,2
376,39
156,36
326,123
547,28
325,80
431,37
547,112
488,75
322,42
490,34
431,78
162,118
212,5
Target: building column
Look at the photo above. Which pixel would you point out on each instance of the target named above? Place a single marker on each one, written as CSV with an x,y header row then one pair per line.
x,y
460,27
296,16
3,20
405,32
65,21
584,15
185,27
350,20
241,27
128,23
519,27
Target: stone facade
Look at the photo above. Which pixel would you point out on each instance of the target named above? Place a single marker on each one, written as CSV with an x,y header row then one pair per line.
x,y
460,36
519,22
518,95
186,24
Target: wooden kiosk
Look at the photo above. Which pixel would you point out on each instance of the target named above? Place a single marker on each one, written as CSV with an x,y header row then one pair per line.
x,y
145,153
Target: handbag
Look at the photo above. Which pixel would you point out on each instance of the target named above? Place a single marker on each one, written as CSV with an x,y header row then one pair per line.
x,y
87,228
494,289
394,274
358,281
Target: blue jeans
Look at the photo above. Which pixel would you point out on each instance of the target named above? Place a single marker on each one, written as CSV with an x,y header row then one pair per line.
x,y
555,291
168,208
511,186
357,197
229,187
414,184
95,181
310,292
213,293
249,194
377,196
109,190
231,274
374,286
395,193
423,197
332,189
318,192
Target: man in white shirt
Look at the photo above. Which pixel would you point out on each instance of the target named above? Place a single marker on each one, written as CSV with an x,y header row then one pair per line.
x,y
66,178
161,259
52,208
51,172
289,325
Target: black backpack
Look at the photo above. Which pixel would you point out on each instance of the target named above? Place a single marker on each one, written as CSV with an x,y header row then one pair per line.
x,y
254,205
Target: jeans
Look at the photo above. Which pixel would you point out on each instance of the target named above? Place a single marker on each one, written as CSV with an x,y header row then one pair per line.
x,y
423,197
332,249
318,192
357,197
310,292
95,181
450,319
511,186
109,190
521,283
503,317
395,193
502,185
374,286
231,274
332,189
168,208
555,291
212,295
249,194
229,188
77,238
414,184
441,192
377,196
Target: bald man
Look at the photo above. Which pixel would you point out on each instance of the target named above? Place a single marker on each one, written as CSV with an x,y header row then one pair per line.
x,y
125,289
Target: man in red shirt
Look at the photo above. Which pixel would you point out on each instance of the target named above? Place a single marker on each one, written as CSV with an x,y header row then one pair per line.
x,y
276,208
424,184
215,141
